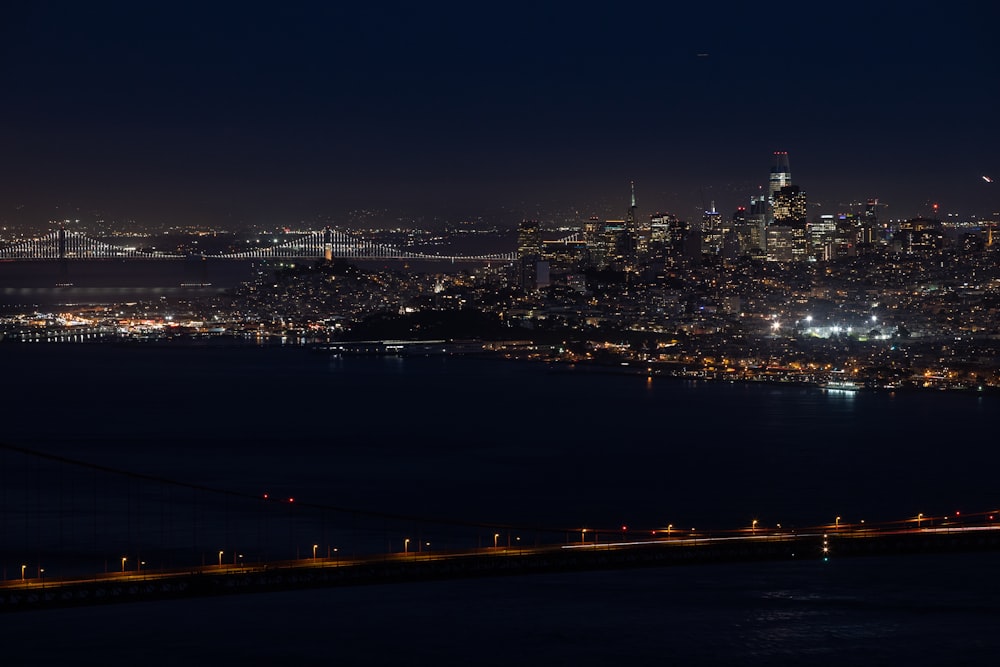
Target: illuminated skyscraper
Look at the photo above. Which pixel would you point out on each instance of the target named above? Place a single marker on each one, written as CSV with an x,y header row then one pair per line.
x,y
593,234
870,215
789,206
631,217
822,235
617,245
871,230
786,236
781,174
529,249
749,230
529,239
787,243
667,233
712,231
757,216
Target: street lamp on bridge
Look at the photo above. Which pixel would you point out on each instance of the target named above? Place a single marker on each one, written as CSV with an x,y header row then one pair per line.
x,y
314,551
124,558
220,558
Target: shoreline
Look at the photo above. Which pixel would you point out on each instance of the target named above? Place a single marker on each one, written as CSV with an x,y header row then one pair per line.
x,y
474,349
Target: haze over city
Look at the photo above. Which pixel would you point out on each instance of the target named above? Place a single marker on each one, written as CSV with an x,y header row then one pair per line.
x,y
259,114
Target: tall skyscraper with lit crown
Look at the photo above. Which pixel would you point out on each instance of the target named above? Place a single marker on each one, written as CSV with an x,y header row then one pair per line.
x,y
781,174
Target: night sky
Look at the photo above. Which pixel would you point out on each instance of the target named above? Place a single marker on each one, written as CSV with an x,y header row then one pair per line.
x,y
275,113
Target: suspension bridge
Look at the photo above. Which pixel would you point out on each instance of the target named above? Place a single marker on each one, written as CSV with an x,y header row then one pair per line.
x,y
329,243
76,533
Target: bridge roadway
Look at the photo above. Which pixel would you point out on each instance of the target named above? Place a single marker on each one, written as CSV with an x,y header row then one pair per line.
x,y
684,548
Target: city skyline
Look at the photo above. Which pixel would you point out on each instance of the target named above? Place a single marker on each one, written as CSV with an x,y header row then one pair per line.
x,y
257,115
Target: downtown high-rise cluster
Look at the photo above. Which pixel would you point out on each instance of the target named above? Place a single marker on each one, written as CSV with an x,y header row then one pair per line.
x,y
775,226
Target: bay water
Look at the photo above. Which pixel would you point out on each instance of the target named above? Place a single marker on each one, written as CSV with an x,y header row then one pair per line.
x,y
392,445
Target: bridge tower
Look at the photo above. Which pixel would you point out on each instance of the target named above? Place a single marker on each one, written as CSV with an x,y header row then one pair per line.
x,y
328,244
63,262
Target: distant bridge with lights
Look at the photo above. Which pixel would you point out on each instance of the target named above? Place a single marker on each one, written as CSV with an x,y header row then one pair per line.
x,y
329,243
